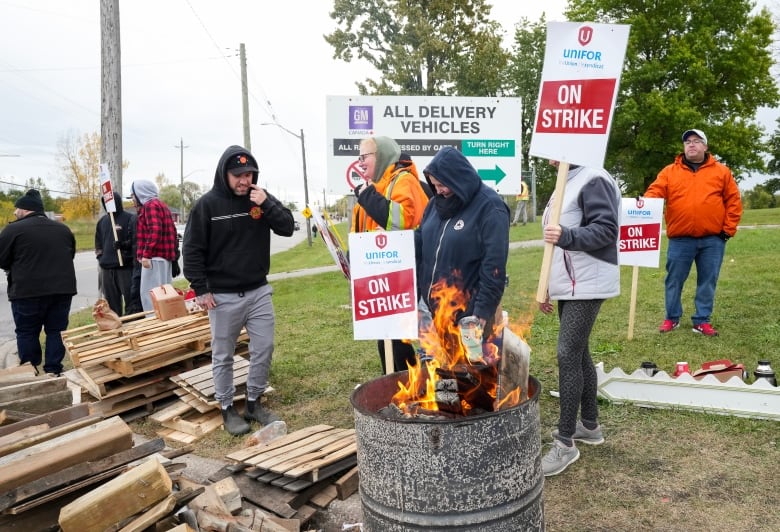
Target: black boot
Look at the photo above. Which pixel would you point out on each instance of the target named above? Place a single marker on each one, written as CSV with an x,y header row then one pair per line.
x,y
233,422
256,412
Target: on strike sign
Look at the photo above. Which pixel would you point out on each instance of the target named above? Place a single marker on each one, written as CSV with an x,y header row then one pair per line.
x,y
582,66
384,286
640,231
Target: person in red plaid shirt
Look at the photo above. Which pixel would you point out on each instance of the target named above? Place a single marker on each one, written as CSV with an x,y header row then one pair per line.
x,y
156,239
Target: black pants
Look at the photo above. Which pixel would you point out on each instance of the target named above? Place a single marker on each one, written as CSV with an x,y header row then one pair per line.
x,y
403,352
115,284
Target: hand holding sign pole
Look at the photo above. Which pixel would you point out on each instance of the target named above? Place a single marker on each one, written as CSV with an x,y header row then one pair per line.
x,y
108,201
555,217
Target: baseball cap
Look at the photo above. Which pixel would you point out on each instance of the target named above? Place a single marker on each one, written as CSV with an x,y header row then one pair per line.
x,y
698,132
240,163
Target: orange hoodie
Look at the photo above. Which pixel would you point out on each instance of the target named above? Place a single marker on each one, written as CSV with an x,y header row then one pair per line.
x,y
701,203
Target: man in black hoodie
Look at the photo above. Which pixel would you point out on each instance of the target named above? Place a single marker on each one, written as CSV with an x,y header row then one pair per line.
x,y
37,255
114,280
227,255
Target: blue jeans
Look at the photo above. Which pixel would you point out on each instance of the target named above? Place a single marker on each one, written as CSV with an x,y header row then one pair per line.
x,y
32,314
707,252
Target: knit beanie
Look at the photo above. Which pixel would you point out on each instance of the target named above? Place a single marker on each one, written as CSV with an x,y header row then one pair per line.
x,y
31,201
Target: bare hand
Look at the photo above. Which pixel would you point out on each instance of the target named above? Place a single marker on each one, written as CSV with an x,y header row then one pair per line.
x,y
552,233
257,195
146,263
206,301
546,306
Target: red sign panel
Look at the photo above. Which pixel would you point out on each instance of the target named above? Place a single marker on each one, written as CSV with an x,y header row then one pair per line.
x,y
640,237
576,106
384,295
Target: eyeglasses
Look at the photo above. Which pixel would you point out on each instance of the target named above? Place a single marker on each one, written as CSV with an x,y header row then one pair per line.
x,y
363,156
690,142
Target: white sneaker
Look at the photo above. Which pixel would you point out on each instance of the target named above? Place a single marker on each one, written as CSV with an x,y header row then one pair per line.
x,y
585,435
559,458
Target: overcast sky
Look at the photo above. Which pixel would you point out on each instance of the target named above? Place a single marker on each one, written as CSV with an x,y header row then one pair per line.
x,y
181,80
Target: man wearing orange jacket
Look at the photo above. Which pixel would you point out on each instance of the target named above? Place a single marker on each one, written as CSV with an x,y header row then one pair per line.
x,y
703,208
392,199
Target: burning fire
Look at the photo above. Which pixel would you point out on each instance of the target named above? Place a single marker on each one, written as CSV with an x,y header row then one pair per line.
x,y
476,378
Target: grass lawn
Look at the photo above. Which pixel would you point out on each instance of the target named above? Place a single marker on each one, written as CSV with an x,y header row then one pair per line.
x,y
658,469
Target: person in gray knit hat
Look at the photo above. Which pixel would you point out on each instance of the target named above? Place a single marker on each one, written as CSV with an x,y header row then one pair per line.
x,y
37,256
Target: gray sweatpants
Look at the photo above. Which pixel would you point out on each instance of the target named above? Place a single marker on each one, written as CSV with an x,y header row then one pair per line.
x,y
255,311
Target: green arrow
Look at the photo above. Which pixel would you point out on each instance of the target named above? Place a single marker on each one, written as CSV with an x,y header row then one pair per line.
x,y
496,174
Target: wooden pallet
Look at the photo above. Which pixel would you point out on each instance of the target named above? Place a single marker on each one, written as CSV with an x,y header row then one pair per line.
x,y
89,346
301,458
199,382
139,347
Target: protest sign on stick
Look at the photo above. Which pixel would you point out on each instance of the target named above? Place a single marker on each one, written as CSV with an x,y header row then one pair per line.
x,y
579,86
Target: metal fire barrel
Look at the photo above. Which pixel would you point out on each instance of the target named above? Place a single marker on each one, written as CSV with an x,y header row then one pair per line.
x,y
479,472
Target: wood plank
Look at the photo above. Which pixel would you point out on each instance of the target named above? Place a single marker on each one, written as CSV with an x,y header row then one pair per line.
x,y
96,441
47,433
265,496
9,375
57,417
318,460
78,472
299,452
324,497
348,483
40,404
62,492
177,409
243,455
197,425
151,516
177,436
39,386
118,499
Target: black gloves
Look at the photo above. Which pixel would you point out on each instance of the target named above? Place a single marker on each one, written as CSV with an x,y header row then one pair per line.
x,y
124,245
724,236
358,189
175,269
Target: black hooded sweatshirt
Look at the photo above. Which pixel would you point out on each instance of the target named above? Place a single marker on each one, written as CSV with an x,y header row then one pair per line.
x,y
125,235
227,242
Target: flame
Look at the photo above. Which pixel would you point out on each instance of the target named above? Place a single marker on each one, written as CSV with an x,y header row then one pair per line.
x,y
441,341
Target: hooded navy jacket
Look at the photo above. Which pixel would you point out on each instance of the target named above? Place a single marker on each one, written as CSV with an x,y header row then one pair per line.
x,y
469,247
227,241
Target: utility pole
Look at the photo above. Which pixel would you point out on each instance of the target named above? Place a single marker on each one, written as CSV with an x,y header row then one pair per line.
x,y
111,92
245,98
305,187
181,147
305,177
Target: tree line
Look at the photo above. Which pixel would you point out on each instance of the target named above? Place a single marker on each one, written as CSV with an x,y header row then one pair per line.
x,y
706,64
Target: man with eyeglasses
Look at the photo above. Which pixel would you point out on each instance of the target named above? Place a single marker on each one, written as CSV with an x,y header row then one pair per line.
x,y
703,208
391,199
227,255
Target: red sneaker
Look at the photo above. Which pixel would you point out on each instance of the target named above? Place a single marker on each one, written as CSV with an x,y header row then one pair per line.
x,y
668,325
705,329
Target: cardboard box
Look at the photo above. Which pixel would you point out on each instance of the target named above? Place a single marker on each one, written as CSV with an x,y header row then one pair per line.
x,y
722,370
168,303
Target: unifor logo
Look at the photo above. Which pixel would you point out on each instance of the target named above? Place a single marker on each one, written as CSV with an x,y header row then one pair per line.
x,y
640,203
381,240
584,35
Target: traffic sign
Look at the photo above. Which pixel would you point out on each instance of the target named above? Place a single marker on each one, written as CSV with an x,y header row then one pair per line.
x,y
486,130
